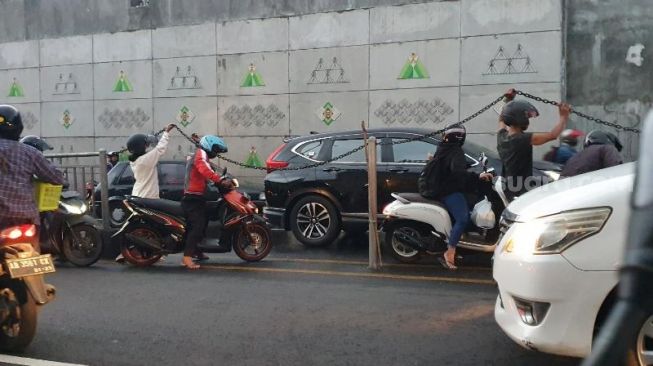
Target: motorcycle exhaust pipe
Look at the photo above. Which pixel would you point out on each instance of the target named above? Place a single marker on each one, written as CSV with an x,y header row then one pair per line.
x,y
143,242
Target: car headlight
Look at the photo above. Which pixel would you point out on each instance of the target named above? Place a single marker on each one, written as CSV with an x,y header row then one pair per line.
x,y
553,234
72,209
552,174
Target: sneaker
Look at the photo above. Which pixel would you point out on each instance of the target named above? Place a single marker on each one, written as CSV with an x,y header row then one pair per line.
x,y
120,259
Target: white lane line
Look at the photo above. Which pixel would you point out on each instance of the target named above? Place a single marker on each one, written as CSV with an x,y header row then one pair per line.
x,y
32,361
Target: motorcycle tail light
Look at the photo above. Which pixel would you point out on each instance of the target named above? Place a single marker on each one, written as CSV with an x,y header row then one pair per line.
x,y
16,232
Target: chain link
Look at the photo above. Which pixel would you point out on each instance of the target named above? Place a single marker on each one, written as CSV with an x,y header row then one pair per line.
x,y
406,140
580,114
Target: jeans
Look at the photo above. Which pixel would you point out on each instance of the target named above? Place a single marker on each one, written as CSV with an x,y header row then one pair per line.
x,y
457,206
196,222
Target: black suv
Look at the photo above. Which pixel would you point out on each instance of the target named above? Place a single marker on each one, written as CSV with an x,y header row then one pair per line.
x,y
171,187
316,203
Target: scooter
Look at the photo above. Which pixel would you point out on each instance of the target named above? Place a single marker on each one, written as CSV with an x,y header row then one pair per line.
x,y
22,287
70,233
415,226
156,227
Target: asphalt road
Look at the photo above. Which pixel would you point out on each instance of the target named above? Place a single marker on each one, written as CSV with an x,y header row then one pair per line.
x,y
298,307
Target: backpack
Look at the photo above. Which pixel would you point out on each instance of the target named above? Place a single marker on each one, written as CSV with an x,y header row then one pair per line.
x,y
429,183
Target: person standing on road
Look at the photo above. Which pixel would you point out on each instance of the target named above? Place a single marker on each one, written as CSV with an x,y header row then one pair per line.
x,y
198,172
601,151
515,145
19,164
447,180
144,165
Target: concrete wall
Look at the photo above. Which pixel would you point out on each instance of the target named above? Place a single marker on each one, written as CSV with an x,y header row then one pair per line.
x,y
255,81
610,63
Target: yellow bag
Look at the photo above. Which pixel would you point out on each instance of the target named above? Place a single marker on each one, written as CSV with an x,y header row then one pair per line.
x,y
47,196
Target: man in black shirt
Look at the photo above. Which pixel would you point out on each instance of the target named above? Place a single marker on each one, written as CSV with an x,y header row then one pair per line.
x,y
515,146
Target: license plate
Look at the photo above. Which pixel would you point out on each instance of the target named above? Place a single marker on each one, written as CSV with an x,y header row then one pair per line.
x,y
22,267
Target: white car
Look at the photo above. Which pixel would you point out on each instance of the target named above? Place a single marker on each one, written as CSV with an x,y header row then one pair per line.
x,y
556,263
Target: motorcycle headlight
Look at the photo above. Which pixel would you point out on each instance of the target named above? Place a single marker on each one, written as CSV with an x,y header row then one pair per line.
x,y
553,234
72,209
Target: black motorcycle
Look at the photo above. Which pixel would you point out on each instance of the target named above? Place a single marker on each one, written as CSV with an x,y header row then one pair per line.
x,y
22,288
70,233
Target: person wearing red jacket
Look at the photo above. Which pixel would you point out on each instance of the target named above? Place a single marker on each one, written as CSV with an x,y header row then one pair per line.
x,y
198,173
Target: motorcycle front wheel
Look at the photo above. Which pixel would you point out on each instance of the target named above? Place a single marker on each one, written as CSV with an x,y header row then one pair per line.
x,y
254,245
19,326
138,256
82,245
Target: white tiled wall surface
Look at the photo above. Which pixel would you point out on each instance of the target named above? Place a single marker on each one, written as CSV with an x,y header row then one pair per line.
x,y
256,81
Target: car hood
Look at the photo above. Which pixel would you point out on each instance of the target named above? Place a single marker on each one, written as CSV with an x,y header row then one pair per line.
x,y
604,187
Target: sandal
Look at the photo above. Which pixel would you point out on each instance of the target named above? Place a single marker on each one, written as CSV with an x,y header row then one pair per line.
x,y
446,264
191,265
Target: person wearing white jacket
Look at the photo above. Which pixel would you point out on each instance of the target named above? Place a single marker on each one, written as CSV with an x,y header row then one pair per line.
x,y
143,162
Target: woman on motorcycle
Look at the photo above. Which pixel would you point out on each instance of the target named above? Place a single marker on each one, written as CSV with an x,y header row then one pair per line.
x,y
452,181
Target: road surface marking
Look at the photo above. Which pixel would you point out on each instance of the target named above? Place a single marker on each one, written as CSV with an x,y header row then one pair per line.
x,y
352,274
32,361
344,261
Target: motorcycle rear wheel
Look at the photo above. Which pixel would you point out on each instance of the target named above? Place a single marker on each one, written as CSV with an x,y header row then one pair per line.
x,y
254,247
400,251
17,337
82,246
138,256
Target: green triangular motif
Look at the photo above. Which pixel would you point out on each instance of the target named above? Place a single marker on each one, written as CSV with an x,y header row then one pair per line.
x,y
123,85
413,69
253,78
15,90
253,159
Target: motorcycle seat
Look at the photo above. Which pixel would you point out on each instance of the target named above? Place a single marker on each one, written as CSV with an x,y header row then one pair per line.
x,y
167,206
418,198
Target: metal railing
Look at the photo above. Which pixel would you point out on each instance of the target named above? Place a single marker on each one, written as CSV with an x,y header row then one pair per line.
x,y
79,174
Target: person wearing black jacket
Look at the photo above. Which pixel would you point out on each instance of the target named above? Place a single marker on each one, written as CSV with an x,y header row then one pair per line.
x,y
450,181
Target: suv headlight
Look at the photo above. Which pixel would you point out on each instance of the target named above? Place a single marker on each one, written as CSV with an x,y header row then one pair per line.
x,y
553,234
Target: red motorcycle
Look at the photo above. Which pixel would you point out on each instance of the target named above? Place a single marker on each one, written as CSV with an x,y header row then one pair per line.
x,y
156,227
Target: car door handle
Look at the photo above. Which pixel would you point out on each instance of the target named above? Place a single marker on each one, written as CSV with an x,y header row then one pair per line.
x,y
399,170
332,169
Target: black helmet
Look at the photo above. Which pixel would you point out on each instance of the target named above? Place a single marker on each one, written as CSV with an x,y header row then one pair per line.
x,y
597,137
454,134
36,142
113,153
11,125
517,113
137,144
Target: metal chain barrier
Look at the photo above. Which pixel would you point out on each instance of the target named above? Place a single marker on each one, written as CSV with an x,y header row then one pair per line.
x,y
433,134
580,114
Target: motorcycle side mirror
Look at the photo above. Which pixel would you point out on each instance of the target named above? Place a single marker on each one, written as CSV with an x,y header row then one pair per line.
x,y
484,160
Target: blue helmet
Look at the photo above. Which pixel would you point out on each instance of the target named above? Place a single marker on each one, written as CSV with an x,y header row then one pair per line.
x,y
213,145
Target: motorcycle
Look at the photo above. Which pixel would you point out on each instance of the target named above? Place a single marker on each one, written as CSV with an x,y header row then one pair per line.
x,y
22,287
70,233
415,226
156,227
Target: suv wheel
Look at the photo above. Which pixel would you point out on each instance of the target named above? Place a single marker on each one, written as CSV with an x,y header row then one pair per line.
x,y
314,221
